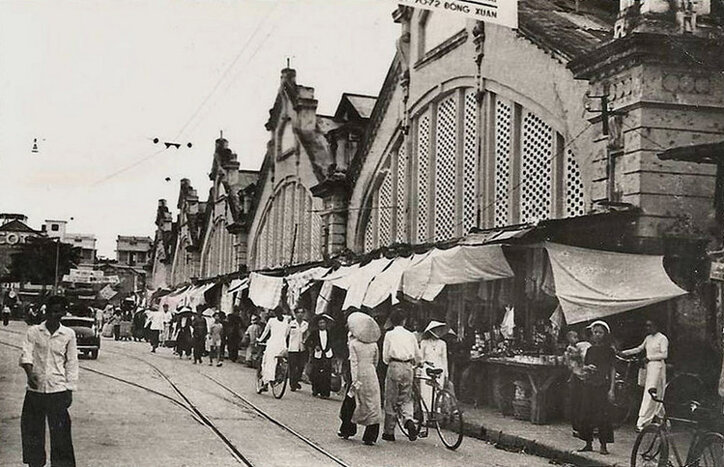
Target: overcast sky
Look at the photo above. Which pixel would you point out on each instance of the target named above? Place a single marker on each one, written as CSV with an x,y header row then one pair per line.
x,y
96,81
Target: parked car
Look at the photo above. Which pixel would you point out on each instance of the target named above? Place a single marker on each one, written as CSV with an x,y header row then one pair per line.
x,y
87,334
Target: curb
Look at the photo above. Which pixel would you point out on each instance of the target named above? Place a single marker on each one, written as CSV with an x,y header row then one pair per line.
x,y
509,442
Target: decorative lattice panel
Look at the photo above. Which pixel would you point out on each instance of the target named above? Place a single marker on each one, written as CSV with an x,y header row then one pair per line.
x,y
575,203
423,176
287,224
261,242
299,222
401,201
369,239
503,126
470,161
535,169
385,211
446,168
316,237
279,229
306,234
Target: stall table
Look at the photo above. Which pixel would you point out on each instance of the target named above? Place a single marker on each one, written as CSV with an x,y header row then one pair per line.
x,y
541,377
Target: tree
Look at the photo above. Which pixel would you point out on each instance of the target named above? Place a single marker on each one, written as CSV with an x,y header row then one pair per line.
x,y
35,261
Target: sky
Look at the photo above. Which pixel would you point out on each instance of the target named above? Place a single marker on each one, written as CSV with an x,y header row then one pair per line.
x,y
96,81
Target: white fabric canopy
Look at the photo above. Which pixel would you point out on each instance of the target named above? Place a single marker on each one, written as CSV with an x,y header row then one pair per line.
x,y
360,280
337,278
387,283
265,291
300,282
195,296
591,284
237,285
457,265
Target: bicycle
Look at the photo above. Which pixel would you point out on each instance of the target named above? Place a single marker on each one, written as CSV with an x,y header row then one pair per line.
x,y
281,375
626,390
444,415
653,445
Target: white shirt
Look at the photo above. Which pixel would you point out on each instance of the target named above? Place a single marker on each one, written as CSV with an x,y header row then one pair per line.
x,y
54,358
167,317
296,335
656,347
156,318
6,310
400,344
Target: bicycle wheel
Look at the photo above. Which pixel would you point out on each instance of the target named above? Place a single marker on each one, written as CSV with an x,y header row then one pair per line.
x,y
448,419
708,452
650,449
279,385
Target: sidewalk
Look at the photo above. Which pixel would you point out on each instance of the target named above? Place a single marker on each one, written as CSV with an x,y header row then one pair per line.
x,y
553,441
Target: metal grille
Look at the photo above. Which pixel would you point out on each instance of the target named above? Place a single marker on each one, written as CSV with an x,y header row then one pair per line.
x,y
503,119
575,203
535,169
401,201
423,175
446,169
470,161
316,237
385,211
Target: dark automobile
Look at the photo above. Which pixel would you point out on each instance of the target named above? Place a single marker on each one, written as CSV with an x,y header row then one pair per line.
x,y
87,334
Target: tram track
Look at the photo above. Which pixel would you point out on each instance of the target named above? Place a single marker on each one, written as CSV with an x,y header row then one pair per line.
x,y
189,406
186,404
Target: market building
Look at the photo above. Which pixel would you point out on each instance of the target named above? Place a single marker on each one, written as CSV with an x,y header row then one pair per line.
x,y
163,248
14,232
294,222
187,253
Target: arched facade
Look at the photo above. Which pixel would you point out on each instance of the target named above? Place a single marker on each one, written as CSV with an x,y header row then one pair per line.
x,y
469,151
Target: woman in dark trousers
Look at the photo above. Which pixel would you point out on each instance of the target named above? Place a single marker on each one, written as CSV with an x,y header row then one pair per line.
x,y
597,390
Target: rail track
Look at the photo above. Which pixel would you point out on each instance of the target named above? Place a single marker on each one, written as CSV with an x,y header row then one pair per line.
x,y
186,404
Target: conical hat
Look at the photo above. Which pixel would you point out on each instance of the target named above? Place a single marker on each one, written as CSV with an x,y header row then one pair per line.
x,y
363,327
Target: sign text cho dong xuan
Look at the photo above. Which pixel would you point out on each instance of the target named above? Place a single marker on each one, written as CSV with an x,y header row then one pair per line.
x,y
503,12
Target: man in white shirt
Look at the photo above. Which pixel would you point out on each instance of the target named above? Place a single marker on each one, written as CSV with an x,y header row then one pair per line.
x,y
155,323
401,353
296,354
167,319
50,360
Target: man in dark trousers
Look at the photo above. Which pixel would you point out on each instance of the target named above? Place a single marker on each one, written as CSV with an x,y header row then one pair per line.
x,y
232,335
297,354
50,360
199,329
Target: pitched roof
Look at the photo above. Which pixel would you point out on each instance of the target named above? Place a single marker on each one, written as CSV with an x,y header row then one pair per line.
x,y
16,226
563,29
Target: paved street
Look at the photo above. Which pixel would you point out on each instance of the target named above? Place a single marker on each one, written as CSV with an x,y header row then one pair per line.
x,y
116,424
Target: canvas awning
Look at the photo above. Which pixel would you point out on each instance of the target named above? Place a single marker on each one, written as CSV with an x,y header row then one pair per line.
x,y
300,282
591,284
265,291
174,298
457,265
238,285
387,283
360,280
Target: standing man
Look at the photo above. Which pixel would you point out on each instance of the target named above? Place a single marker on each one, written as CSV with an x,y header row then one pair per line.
x,y
167,320
154,323
401,354
656,346
6,315
50,360
199,330
296,350
232,334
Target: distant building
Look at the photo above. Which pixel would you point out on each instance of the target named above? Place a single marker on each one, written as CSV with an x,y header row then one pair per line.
x,y
133,251
13,233
86,242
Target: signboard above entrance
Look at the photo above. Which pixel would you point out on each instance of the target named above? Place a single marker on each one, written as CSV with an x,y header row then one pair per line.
x,y
502,12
